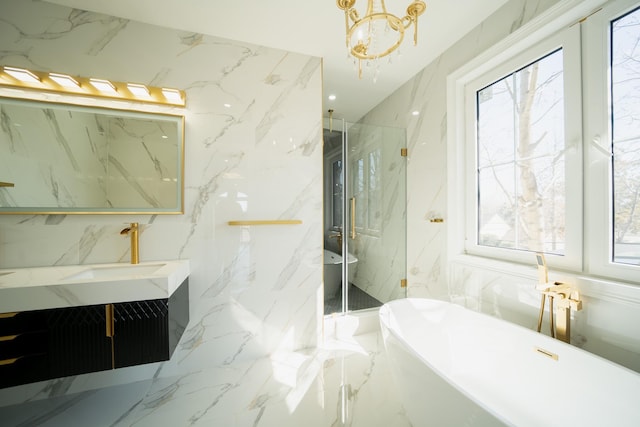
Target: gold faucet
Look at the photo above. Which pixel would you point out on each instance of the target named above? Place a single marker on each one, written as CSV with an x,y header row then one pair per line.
x,y
132,231
568,301
338,236
565,297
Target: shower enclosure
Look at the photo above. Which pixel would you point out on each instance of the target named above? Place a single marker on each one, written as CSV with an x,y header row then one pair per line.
x,y
365,213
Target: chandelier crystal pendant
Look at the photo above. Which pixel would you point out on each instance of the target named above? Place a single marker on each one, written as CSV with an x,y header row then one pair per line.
x,y
379,32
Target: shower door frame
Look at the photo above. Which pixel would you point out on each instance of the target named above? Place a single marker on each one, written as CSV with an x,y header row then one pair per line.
x,y
348,216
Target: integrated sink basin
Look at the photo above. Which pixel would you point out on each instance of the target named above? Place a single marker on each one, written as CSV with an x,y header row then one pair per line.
x,y
38,288
108,272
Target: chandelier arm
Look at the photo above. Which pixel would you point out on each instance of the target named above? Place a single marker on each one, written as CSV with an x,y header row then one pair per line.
x,y
382,6
346,27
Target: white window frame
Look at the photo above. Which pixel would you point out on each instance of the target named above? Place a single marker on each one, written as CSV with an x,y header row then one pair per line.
x,y
598,200
568,40
558,23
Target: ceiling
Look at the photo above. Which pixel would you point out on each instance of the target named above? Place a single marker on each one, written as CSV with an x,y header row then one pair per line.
x,y
312,27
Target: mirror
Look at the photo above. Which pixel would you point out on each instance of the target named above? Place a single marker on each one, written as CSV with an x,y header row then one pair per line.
x,y
70,159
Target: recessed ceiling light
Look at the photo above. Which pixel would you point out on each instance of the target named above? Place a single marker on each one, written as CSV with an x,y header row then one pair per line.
x,y
103,85
227,105
64,80
138,90
332,97
415,113
22,74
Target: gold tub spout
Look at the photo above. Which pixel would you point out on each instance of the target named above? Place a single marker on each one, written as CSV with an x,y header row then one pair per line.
x,y
567,300
132,231
563,298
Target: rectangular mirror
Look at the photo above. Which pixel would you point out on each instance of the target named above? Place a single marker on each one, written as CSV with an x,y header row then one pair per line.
x,y
69,159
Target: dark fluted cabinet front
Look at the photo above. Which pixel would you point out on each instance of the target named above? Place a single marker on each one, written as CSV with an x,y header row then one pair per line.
x,y
77,343
45,344
149,331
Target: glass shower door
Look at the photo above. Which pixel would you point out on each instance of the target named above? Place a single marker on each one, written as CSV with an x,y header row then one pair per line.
x,y
374,214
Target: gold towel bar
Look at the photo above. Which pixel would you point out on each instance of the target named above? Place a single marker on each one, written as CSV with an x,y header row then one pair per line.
x,y
267,222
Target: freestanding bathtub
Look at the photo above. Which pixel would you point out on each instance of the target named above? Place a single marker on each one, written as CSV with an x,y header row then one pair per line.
x,y
457,367
333,272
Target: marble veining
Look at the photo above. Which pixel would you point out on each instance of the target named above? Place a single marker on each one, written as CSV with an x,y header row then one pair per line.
x,y
480,286
427,142
343,383
252,151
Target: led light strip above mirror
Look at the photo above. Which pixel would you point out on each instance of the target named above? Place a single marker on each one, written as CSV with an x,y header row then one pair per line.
x,y
55,82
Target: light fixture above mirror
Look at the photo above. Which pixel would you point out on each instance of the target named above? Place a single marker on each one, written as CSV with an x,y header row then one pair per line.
x,y
21,78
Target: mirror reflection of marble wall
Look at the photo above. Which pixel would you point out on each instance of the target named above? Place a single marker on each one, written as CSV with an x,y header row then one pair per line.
x,y
63,157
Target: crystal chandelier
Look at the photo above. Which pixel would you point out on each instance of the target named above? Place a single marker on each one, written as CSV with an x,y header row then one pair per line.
x,y
379,32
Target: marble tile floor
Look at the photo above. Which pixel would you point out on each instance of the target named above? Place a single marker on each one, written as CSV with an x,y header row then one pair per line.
x,y
344,383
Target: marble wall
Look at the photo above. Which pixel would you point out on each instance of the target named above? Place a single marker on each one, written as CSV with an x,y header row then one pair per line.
x,y
606,324
253,151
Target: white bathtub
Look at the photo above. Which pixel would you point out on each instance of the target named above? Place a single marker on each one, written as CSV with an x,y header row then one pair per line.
x,y
333,272
457,367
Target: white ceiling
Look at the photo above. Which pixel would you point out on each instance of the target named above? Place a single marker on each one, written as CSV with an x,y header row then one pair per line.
x,y
313,27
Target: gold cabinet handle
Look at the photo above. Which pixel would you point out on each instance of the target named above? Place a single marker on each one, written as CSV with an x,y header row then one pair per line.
x,y
353,217
111,330
7,184
9,361
110,323
9,337
8,315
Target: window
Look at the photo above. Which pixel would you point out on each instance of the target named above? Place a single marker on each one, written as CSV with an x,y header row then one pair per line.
x,y
625,141
523,144
520,159
545,143
374,199
367,190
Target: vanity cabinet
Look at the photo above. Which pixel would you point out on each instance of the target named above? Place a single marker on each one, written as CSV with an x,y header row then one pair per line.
x,y
149,331
53,343
23,347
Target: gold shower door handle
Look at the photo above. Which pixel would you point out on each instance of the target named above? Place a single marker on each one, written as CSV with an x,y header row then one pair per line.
x,y
353,217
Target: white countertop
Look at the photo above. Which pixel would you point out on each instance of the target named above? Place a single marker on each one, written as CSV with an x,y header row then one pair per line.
x,y
38,288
